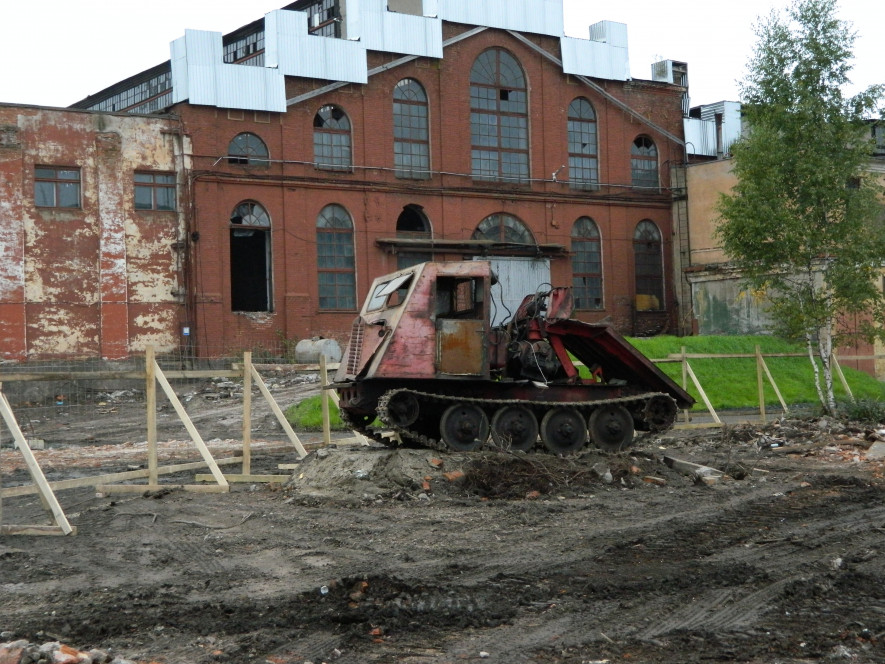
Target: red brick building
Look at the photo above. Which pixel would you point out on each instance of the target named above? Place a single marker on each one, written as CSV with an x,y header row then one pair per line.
x,y
333,141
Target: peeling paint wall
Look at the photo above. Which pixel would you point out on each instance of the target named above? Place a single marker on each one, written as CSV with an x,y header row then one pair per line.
x,y
102,280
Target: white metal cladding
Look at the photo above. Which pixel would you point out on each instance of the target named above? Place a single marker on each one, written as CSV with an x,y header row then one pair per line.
x,y
517,277
382,30
700,137
604,56
534,16
200,75
295,52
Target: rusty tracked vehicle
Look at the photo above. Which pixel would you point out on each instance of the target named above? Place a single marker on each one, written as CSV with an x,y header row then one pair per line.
x,y
424,358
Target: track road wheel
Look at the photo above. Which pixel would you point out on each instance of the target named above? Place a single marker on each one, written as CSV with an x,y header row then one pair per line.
x,y
464,427
514,428
611,428
402,409
563,430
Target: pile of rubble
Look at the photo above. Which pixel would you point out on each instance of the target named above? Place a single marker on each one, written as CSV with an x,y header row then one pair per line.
x,y
23,652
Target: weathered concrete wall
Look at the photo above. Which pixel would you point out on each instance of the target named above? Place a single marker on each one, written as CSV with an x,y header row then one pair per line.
x,y
723,305
705,183
93,281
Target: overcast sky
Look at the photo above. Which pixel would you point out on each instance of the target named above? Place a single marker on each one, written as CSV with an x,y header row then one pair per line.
x,y
60,51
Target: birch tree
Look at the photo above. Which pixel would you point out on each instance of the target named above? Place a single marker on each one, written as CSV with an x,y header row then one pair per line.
x,y
804,222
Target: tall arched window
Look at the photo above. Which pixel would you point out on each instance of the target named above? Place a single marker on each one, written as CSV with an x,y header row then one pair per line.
x,y
250,258
247,148
411,147
499,123
503,228
336,265
331,139
583,151
586,265
644,163
649,264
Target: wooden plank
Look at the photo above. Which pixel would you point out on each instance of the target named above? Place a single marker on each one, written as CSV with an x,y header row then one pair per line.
x,y
760,384
324,400
141,488
247,412
281,418
774,385
36,530
243,478
835,363
703,394
46,494
151,406
688,467
192,430
109,478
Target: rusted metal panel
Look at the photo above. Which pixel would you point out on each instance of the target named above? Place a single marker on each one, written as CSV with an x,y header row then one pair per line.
x,y
601,346
461,347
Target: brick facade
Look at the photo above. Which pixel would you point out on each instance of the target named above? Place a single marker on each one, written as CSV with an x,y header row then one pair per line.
x,y
293,191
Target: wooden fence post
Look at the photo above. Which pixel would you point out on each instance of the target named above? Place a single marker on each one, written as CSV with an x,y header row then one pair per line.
x,y
327,420
247,412
760,385
150,378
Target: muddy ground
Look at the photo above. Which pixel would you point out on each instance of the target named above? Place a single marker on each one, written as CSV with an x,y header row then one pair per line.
x,y
377,555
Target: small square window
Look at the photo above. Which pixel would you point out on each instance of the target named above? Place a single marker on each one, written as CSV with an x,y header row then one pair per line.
x,y
154,191
57,187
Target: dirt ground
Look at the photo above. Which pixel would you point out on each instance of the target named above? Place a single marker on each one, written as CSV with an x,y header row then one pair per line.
x,y
412,556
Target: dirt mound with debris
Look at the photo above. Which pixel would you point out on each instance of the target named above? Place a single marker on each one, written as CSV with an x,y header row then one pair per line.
x,y
749,543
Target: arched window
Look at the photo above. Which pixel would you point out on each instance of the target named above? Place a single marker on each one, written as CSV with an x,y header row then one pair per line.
x,y
503,228
336,265
586,265
644,163
499,123
331,139
411,147
247,148
583,151
412,224
250,258
649,264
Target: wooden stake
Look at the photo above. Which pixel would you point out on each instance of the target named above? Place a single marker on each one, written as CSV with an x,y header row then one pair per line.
x,y
327,422
247,412
151,405
760,386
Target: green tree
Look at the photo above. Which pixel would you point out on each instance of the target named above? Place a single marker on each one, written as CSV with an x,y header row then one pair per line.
x,y
804,222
